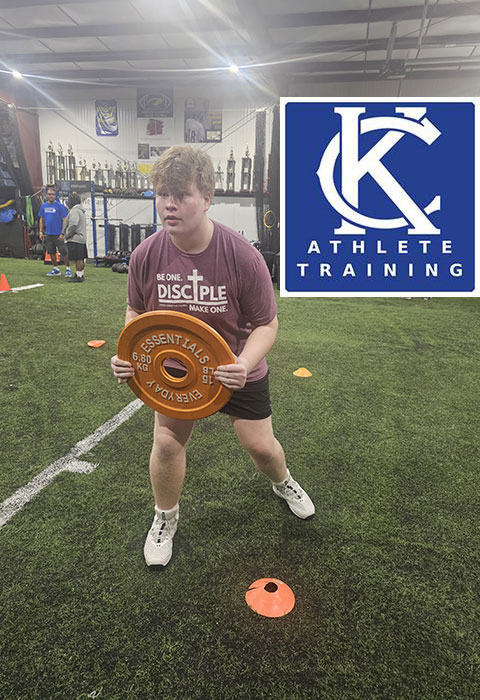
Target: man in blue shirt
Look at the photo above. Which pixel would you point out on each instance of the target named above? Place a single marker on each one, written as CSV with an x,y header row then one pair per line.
x,y
52,215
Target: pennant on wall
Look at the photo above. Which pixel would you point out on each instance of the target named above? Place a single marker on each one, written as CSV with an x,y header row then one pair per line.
x,y
155,104
106,119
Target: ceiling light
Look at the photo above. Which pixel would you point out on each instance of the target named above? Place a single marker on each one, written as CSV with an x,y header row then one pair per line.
x,y
10,105
233,68
16,74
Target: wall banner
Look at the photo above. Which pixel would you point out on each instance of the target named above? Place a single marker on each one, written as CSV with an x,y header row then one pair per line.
x,y
106,118
203,121
155,104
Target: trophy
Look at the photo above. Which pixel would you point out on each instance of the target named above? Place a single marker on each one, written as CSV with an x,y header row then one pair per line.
x,y
133,175
99,176
70,163
96,174
125,175
246,172
50,153
60,164
78,170
231,173
118,176
219,184
105,174
111,177
144,183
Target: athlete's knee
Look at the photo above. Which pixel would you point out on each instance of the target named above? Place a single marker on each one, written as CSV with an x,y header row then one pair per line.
x,y
166,448
262,450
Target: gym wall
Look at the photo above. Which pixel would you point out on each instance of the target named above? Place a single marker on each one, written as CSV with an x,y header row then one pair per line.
x,y
74,123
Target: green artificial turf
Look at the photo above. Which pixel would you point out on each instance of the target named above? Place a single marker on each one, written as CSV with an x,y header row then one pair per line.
x,y
384,436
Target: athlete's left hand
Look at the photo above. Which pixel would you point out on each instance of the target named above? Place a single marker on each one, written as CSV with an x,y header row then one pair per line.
x,y
234,376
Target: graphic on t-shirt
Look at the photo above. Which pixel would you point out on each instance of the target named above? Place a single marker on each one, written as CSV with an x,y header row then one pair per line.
x,y
206,298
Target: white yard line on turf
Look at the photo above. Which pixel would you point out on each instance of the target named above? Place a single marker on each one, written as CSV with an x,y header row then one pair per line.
x,y
68,463
20,289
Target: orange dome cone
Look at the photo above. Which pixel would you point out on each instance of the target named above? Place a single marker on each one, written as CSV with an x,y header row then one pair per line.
x,y
302,372
96,343
4,286
270,597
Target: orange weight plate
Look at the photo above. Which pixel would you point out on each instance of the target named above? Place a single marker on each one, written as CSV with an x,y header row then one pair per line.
x,y
157,340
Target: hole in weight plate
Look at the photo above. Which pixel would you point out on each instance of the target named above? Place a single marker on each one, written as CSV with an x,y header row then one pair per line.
x,y
175,368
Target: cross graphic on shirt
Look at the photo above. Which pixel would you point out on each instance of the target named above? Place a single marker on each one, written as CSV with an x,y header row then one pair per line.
x,y
195,279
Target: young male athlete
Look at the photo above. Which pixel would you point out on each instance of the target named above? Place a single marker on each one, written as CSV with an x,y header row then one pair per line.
x,y
200,267
52,215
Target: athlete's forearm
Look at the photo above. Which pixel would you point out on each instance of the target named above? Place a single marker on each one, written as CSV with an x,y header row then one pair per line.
x,y
258,344
131,314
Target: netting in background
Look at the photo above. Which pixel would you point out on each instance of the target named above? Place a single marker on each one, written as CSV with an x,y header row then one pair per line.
x,y
272,199
259,172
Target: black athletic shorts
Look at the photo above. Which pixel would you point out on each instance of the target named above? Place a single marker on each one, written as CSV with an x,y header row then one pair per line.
x,y
77,251
252,402
52,243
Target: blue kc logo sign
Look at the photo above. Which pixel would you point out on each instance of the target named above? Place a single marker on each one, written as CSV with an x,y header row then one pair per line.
x,y
378,197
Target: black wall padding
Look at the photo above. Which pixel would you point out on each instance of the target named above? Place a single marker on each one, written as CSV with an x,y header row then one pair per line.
x,y
124,233
269,257
135,228
12,240
112,235
149,230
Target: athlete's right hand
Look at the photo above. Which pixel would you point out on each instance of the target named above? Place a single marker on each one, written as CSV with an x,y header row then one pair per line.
x,y
121,369
41,236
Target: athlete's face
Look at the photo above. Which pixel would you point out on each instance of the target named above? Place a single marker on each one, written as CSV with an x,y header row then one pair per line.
x,y
50,196
185,213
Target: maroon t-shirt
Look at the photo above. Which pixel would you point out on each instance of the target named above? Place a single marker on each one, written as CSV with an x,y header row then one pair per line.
x,y
227,285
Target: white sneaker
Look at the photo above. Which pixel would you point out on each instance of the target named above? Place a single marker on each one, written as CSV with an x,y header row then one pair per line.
x,y
159,543
298,501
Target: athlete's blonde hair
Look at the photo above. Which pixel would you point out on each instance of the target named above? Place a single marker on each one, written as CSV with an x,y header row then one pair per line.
x,y
180,167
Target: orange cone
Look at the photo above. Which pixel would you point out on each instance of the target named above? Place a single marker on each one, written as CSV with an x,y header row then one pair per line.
x,y
48,257
270,597
302,372
4,286
96,343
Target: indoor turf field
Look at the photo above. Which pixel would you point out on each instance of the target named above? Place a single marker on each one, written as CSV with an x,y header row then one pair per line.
x,y
384,436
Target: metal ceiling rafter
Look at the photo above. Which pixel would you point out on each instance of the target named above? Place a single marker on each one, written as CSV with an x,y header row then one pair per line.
x,y
318,68
239,52
422,24
379,14
270,21
367,35
135,55
15,4
373,77
82,31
